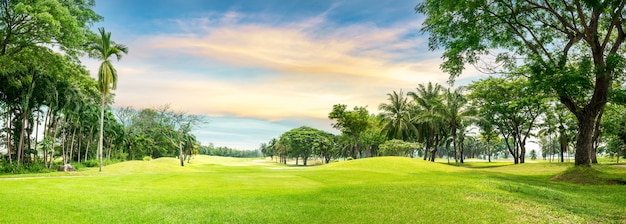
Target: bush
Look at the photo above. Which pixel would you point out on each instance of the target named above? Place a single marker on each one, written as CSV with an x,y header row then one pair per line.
x,y
147,158
91,163
26,168
37,168
349,158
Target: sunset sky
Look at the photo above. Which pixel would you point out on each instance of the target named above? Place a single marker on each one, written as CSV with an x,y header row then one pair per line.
x,y
260,68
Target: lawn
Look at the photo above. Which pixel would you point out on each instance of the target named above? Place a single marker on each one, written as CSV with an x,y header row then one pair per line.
x,y
377,190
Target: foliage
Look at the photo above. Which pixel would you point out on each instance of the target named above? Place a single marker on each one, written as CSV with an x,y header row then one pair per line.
x,y
305,141
212,150
397,117
398,147
570,50
512,107
350,123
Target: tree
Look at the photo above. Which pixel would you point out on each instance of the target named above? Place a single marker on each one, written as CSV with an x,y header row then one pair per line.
x,y
456,115
351,123
302,142
396,116
571,48
176,128
26,25
513,106
533,154
102,49
426,99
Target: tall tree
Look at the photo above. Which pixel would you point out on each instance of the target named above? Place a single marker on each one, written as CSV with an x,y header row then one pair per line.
x,y
571,47
102,49
512,106
427,98
455,114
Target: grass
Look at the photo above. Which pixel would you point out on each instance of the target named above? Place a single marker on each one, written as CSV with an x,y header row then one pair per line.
x,y
377,190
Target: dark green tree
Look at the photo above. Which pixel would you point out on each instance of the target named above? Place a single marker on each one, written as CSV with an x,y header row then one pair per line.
x,y
350,122
572,48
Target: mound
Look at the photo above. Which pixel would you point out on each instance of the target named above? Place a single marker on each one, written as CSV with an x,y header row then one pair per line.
x,y
587,176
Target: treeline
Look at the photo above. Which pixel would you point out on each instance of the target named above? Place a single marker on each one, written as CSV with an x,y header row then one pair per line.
x,y
51,108
490,118
211,150
45,88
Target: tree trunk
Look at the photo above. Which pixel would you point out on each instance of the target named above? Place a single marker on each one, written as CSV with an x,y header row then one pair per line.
x,y
583,140
63,147
37,131
8,141
80,140
304,159
100,134
456,156
489,152
72,144
596,138
88,144
20,148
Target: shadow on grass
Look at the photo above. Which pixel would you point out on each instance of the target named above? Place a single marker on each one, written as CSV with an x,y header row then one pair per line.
x,y
480,165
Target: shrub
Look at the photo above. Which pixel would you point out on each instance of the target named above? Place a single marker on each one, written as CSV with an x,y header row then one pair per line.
x,y
147,158
26,168
91,163
349,158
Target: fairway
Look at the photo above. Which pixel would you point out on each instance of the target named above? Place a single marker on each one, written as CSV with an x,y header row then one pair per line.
x,y
377,190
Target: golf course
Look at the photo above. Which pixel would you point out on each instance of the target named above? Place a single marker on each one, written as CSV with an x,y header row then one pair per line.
x,y
375,190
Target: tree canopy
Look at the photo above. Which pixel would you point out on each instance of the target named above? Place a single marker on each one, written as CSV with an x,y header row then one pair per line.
x,y
573,50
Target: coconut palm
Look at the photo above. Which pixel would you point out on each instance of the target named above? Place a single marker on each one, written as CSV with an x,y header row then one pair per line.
x,y
397,117
427,99
102,49
456,115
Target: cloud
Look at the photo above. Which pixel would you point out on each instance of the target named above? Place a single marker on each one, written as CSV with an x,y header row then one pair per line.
x,y
231,64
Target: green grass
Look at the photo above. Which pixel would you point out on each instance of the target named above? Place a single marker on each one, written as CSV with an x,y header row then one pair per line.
x,y
377,190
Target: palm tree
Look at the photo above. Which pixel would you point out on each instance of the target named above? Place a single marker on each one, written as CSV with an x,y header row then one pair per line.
x,y
456,114
397,117
103,48
427,99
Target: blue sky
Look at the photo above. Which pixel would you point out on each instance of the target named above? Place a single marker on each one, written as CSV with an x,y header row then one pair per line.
x,y
260,68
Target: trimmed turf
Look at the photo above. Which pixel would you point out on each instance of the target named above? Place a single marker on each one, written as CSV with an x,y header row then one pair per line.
x,y
377,190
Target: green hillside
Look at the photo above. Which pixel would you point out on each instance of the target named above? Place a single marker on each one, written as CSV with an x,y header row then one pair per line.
x,y
377,190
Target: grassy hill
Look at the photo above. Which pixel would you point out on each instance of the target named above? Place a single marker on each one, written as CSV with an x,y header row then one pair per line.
x,y
376,190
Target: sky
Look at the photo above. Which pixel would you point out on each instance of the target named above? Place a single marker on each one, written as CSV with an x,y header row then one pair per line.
x,y
258,68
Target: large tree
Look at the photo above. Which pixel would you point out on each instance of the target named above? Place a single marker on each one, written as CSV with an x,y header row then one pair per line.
x,y
102,49
572,47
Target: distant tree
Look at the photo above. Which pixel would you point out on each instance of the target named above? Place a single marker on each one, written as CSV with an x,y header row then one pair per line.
x,y
427,98
176,127
513,106
302,142
456,114
351,123
397,117
533,154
